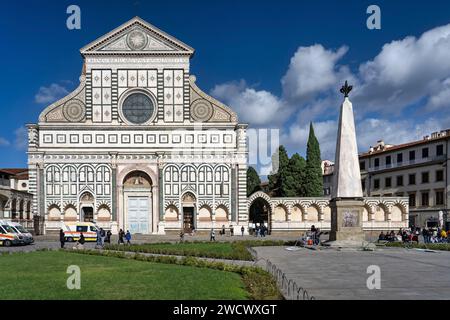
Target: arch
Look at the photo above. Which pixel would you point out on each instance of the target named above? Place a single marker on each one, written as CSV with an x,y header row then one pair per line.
x,y
3,202
380,213
86,174
70,213
14,208
103,213
221,213
396,213
188,207
137,179
280,213
137,167
205,213
171,213
188,198
171,173
69,173
21,208
313,213
256,195
260,211
188,174
297,213
102,174
366,213
54,213
87,206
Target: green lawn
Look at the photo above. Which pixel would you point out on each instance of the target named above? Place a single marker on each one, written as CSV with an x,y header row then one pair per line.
x,y
42,275
221,250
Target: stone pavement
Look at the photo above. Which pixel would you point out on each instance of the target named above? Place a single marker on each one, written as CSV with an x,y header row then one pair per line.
x,y
331,274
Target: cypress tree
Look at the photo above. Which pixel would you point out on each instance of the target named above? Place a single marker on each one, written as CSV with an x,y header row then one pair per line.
x,y
313,174
280,173
253,181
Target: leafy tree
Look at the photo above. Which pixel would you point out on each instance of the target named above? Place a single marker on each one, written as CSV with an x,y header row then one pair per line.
x,y
313,175
253,181
296,180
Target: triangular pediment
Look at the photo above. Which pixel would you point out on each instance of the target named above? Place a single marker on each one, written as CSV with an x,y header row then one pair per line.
x,y
137,37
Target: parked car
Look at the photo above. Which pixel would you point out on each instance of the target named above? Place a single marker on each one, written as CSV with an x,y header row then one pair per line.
x,y
20,230
9,237
72,231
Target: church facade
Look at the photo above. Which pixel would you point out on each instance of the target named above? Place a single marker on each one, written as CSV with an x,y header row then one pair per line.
x,y
138,145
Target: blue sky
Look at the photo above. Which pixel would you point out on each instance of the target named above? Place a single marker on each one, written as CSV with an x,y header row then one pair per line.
x,y
278,64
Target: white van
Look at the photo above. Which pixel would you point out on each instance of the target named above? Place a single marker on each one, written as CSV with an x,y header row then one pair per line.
x,y
8,236
72,231
27,236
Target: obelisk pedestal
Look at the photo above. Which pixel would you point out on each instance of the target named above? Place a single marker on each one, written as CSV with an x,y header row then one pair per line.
x,y
347,204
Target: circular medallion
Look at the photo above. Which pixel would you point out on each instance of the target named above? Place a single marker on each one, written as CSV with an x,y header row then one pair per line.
x,y
201,110
74,110
136,40
138,108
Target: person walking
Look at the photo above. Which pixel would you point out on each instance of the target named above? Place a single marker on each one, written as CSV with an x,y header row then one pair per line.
x,y
231,230
242,231
108,237
128,237
223,229
62,239
212,235
121,235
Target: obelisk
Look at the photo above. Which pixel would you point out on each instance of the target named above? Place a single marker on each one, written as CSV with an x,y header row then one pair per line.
x,y
347,205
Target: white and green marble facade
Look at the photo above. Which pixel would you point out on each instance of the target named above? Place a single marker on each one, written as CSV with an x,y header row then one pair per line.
x,y
190,147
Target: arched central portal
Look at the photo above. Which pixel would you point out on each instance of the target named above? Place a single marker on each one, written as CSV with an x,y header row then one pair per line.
x,y
259,213
87,207
137,194
188,202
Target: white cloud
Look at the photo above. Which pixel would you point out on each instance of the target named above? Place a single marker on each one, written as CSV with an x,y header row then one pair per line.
x,y
397,95
50,94
405,71
258,107
21,138
312,70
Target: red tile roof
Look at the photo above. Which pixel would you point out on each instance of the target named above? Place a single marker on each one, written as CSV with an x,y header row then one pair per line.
x,y
17,173
403,146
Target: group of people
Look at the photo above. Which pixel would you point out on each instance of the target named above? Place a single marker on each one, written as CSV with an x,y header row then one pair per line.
x,y
102,238
123,235
261,231
435,235
315,234
212,232
222,232
430,235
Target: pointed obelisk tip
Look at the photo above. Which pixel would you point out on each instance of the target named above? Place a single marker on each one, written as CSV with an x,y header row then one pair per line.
x,y
345,89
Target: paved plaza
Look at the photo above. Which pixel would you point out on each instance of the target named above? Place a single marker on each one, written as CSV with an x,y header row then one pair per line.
x,y
330,274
